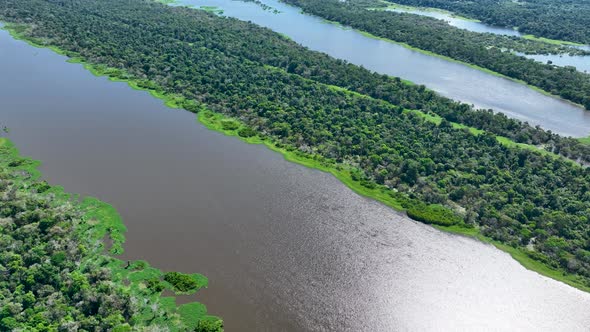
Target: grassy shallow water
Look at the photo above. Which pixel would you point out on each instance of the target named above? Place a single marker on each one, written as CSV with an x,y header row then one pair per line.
x,y
99,221
392,5
442,218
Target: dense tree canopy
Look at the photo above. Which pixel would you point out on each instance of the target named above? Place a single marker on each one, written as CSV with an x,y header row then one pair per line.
x,y
54,271
436,36
562,20
347,116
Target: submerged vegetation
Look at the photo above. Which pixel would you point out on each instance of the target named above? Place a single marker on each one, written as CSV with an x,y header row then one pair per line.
x,y
401,144
57,274
486,51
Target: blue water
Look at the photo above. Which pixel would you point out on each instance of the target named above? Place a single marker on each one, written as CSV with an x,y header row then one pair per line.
x,y
450,79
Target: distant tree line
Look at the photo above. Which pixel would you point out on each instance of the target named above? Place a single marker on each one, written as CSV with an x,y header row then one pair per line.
x,y
436,36
344,115
55,274
562,20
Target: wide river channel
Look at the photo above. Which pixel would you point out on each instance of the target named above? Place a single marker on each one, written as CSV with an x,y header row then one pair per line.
x,y
286,248
450,79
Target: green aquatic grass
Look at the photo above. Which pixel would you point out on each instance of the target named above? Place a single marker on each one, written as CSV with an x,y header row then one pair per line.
x,y
397,201
212,9
105,221
213,121
444,57
391,5
97,221
192,313
551,41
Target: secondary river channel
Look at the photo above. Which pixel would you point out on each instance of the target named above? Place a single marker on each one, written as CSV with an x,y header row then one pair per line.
x,y
581,63
450,79
286,248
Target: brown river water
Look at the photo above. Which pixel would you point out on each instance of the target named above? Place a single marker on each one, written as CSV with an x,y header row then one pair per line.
x,y
286,248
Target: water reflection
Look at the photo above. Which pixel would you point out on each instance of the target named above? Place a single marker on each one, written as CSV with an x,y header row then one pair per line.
x,y
450,79
286,248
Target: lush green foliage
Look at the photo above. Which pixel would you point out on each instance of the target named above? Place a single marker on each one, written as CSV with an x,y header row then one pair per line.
x,y
265,47
263,6
438,37
301,101
561,20
54,272
527,44
184,283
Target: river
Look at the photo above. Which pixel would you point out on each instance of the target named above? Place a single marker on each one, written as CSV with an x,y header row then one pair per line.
x,y
286,248
581,63
450,79
459,22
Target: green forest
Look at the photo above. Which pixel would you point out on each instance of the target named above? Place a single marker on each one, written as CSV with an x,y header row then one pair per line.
x,y
420,149
562,20
436,36
57,274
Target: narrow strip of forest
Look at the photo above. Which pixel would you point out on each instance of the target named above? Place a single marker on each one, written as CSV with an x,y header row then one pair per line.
x,y
273,90
563,20
429,34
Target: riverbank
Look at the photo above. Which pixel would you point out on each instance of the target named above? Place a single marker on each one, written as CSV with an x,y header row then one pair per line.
x,y
89,222
214,121
429,53
232,127
392,5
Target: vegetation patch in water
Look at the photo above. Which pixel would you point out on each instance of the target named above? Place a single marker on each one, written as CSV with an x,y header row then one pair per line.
x,y
391,5
483,51
212,9
263,6
340,118
546,18
55,273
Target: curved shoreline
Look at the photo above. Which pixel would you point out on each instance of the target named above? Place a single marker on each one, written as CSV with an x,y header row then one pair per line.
x,y
412,48
394,5
444,57
99,220
378,193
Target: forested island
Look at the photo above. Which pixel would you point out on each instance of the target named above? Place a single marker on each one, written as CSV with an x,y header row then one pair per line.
x,y
561,20
482,50
56,273
443,162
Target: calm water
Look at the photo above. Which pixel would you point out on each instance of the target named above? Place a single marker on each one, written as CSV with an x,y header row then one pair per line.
x,y
459,22
450,79
286,248
582,63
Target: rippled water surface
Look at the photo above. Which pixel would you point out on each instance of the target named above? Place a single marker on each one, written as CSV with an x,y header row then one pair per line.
x,y
286,248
